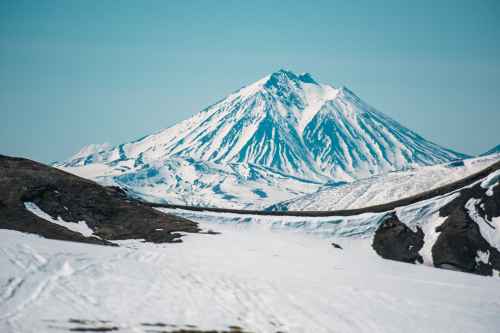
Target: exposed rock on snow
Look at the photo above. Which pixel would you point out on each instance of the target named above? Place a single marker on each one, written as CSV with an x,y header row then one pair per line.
x,y
394,240
468,239
40,199
472,226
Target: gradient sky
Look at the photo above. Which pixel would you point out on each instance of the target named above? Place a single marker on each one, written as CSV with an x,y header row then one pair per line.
x,y
80,72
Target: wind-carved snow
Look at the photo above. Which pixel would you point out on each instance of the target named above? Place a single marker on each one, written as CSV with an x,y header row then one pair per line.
x,y
80,227
286,123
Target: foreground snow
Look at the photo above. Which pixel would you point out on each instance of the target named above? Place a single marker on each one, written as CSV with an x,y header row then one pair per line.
x,y
260,279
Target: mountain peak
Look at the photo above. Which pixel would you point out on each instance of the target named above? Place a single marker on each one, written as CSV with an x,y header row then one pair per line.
x,y
285,77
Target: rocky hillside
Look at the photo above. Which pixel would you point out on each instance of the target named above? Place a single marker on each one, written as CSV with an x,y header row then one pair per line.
x,y
39,199
467,238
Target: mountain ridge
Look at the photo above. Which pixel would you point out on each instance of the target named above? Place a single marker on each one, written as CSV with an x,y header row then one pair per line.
x,y
494,150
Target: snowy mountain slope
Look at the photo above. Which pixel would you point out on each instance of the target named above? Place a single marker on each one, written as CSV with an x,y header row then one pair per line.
x,y
384,188
494,150
286,123
348,136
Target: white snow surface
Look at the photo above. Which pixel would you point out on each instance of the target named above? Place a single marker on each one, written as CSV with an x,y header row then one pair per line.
x,y
80,226
260,280
262,273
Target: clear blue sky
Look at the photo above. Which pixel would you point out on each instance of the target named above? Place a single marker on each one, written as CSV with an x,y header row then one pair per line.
x,y
80,72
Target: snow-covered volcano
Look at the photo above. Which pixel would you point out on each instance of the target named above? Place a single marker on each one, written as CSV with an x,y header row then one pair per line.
x,y
286,123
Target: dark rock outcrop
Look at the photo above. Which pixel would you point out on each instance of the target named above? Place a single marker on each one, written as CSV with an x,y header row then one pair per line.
x,y
460,238
394,240
471,215
107,211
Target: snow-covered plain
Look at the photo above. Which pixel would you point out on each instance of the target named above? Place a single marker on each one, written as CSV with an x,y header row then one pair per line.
x,y
262,273
251,277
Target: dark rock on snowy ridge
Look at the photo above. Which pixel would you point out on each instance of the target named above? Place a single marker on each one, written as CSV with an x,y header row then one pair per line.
x,y
468,239
394,240
461,243
63,196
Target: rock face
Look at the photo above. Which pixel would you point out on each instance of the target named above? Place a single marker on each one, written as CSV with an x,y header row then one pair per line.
x,y
394,240
106,211
469,238
461,243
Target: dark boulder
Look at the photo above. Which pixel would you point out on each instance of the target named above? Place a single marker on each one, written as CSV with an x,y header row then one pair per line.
x,y
394,240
